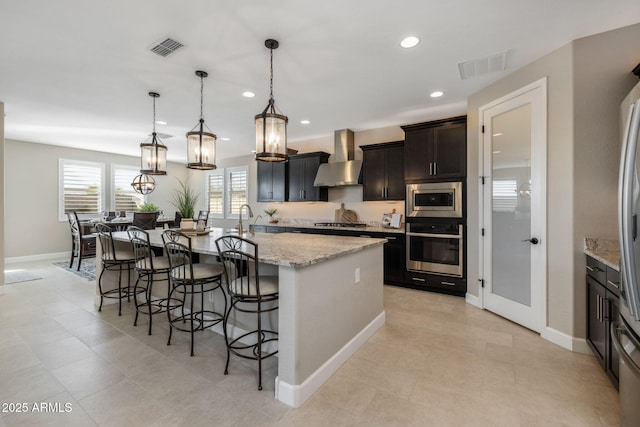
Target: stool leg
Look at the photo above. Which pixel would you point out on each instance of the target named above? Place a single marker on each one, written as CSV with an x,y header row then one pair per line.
x,y
135,301
259,346
120,290
227,314
100,287
148,294
169,316
191,315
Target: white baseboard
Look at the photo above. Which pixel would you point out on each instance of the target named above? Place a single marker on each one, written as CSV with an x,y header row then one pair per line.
x,y
473,300
558,338
295,395
39,257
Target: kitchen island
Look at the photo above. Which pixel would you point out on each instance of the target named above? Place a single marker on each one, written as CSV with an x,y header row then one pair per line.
x,y
330,290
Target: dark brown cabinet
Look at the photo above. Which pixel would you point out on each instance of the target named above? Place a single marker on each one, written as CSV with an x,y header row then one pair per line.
x,y
302,172
383,171
602,309
272,181
436,150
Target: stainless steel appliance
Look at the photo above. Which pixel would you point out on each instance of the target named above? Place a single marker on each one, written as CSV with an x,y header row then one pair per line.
x,y
435,247
626,333
435,199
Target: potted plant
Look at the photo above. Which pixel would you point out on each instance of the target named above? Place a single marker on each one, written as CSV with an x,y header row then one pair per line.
x,y
184,199
271,212
148,207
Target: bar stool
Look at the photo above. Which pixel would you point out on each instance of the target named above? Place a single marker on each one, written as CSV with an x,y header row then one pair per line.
x,y
249,293
190,280
114,257
150,269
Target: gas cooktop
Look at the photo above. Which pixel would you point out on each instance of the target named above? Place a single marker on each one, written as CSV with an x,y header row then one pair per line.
x,y
341,224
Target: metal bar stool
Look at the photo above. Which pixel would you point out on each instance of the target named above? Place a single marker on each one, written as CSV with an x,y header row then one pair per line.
x,y
114,257
249,293
189,281
150,269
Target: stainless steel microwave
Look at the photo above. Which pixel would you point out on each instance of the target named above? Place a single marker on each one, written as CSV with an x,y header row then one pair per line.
x,y
435,199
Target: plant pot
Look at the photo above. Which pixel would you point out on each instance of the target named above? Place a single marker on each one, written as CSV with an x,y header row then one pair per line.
x,y
273,220
186,224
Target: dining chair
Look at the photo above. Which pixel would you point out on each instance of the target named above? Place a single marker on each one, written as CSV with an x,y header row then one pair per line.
x,y
83,245
249,292
190,280
145,220
203,215
116,255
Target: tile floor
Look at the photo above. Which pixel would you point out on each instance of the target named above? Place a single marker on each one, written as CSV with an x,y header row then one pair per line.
x,y
436,362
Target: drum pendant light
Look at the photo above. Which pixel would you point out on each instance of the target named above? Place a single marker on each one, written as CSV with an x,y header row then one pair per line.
x,y
201,145
271,127
153,156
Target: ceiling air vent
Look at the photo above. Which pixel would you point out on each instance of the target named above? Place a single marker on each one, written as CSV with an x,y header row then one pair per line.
x,y
480,66
167,47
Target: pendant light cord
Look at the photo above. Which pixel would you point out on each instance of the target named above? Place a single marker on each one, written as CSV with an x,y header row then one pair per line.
x,y
154,114
271,71
201,96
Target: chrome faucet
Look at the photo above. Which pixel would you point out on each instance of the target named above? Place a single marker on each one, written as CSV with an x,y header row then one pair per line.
x,y
249,211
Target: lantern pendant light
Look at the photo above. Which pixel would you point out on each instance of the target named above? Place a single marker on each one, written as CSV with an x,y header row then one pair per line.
x,y
201,145
153,158
271,127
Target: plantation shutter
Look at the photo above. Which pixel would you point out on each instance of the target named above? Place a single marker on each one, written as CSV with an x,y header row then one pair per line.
x,y
82,184
505,195
237,190
126,198
216,194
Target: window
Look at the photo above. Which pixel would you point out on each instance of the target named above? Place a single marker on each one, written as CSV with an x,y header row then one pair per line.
x,y
237,191
215,186
505,195
124,197
81,187
227,190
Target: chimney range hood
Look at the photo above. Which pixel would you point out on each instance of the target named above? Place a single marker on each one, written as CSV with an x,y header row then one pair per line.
x,y
343,170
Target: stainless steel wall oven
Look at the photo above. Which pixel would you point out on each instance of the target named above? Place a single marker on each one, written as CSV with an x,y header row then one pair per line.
x,y
436,247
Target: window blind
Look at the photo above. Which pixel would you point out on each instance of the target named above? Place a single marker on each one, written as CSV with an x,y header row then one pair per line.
x,y
236,189
82,184
125,197
216,194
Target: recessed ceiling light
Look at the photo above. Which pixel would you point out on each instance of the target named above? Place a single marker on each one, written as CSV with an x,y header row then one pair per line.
x,y
305,122
225,139
160,122
248,94
436,94
410,41
497,152
497,134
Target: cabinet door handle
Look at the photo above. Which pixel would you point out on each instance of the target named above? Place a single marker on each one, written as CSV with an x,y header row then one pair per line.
x,y
590,268
435,168
417,279
598,307
448,283
614,284
430,168
605,309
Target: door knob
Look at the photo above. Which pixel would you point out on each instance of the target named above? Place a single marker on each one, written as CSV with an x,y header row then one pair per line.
x,y
533,240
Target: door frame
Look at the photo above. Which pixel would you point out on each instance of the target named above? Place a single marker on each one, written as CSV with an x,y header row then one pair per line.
x,y
538,89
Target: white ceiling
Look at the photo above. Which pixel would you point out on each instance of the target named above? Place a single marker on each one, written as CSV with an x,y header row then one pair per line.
x,y
77,72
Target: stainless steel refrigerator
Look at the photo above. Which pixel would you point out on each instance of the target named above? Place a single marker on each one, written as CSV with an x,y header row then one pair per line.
x,y
625,332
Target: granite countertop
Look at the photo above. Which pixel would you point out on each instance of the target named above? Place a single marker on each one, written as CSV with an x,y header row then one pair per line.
x,y
606,251
286,249
369,228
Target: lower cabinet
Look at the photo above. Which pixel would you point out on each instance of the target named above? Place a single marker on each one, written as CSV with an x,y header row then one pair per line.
x,y
602,309
436,283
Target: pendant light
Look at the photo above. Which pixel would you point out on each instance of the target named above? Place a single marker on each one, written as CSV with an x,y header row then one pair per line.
x,y
153,156
201,145
144,184
271,127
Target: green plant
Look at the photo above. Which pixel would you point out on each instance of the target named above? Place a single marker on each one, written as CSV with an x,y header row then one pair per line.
x,y
148,207
271,211
184,199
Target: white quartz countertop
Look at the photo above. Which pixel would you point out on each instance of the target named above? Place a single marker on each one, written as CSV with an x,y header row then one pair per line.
x,y
285,249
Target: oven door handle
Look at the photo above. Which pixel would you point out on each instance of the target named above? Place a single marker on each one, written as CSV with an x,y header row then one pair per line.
x,y
439,236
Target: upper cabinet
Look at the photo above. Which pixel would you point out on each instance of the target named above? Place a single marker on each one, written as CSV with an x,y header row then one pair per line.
x,y
383,171
436,150
302,172
272,181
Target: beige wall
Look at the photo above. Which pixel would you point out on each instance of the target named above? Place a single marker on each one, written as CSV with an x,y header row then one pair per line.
x,y
587,80
32,226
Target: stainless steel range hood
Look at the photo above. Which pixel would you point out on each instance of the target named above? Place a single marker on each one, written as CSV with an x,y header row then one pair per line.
x,y
343,170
